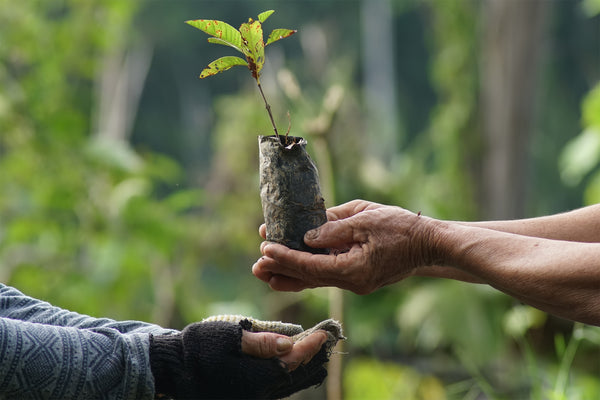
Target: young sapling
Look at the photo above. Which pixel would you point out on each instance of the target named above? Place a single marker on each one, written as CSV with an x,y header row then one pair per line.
x,y
289,185
248,40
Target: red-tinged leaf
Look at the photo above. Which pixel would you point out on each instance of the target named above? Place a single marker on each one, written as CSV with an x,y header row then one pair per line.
x,y
220,30
279,34
262,17
222,64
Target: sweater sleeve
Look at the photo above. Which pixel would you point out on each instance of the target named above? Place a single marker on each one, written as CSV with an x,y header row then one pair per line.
x,y
16,305
50,362
50,353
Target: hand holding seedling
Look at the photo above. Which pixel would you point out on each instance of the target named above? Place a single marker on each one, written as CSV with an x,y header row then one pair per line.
x,y
248,40
550,262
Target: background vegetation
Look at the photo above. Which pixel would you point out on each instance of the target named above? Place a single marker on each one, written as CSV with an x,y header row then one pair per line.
x,y
129,188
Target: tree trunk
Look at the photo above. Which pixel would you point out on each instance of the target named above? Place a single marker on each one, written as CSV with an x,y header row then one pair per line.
x,y
380,80
513,33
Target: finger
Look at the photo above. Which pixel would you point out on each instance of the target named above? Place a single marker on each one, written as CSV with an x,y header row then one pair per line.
x,y
335,234
349,209
262,246
261,271
283,283
265,344
341,211
290,270
280,283
281,260
262,231
304,350
265,267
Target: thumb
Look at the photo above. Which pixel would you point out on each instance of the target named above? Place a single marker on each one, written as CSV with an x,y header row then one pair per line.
x,y
332,234
265,344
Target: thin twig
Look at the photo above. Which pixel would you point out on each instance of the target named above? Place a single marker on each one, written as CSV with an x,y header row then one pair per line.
x,y
268,107
289,126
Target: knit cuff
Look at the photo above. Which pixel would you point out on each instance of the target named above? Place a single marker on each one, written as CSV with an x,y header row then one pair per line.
x,y
166,362
197,363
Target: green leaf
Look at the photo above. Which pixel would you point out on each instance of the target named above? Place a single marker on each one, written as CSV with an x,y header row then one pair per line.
x,y
262,17
222,64
226,33
248,40
254,46
279,34
225,43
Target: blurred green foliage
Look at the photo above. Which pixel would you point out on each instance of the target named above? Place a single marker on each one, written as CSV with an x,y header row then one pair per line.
x,y
369,379
581,156
163,226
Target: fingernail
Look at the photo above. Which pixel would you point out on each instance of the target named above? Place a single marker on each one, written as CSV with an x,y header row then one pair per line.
x,y
312,234
284,345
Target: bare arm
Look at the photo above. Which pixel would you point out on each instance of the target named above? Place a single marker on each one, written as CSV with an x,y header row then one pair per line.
x,y
557,276
376,245
581,225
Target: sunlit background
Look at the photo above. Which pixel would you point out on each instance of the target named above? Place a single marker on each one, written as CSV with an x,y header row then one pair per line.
x,y
129,187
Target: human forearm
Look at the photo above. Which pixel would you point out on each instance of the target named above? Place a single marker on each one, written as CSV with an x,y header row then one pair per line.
x,y
581,225
559,277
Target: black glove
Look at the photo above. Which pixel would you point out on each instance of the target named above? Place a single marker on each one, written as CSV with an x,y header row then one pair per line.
x,y
205,361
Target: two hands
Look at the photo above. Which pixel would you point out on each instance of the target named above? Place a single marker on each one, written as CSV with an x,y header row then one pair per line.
x,y
549,262
371,246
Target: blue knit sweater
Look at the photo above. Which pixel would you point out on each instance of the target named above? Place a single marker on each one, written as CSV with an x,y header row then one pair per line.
x,y
50,353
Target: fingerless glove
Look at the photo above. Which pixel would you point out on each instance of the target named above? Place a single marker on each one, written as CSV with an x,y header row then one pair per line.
x,y
205,361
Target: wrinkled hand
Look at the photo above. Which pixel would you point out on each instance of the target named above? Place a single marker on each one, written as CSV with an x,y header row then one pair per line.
x,y
372,245
267,345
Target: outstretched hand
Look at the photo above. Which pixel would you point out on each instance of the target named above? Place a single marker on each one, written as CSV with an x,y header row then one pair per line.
x,y
219,359
371,245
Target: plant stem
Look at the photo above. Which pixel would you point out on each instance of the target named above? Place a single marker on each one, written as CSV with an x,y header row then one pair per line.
x,y
562,378
268,107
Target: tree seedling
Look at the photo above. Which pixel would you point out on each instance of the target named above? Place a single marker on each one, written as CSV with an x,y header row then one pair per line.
x,y
289,182
248,40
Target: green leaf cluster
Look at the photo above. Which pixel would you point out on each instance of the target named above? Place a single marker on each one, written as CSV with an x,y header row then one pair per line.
x,y
248,40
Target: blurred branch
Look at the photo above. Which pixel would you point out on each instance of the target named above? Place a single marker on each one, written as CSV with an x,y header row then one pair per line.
x,y
120,84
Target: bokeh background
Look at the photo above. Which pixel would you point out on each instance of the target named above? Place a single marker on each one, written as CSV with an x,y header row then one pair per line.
x,y
129,187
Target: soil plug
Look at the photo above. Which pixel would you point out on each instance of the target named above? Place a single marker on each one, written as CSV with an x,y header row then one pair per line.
x,y
289,191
